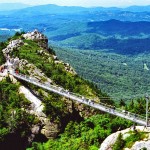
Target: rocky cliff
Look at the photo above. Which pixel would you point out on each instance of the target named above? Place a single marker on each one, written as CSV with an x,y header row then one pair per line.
x,y
28,54
36,36
19,56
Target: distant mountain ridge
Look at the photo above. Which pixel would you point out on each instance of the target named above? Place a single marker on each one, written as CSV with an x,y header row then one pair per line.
x,y
138,8
119,27
12,6
55,9
65,14
75,9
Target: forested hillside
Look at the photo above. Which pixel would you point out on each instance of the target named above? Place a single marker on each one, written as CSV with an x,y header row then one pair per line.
x,y
16,123
121,76
100,53
80,127
121,33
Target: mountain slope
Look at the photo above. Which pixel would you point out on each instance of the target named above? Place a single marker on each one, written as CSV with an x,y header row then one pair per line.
x,y
118,75
54,113
68,124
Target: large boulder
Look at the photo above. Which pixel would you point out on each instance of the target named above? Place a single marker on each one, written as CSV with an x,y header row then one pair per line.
x,y
51,129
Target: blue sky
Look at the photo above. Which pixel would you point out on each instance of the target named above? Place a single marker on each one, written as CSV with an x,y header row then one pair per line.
x,y
87,3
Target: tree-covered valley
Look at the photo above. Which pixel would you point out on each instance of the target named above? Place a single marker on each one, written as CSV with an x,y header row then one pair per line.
x,y
121,76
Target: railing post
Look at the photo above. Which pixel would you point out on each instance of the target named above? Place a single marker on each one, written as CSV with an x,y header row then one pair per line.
x,y
147,102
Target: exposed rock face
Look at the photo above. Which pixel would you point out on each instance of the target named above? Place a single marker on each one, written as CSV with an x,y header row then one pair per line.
x,y
34,71
34,131
15,44
138,145
49,129
38,37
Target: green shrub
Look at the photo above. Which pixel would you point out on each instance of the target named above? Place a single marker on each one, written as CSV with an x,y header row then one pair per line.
x,y
135,136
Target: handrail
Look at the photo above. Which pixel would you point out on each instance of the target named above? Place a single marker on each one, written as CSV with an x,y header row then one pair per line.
x,y
77,97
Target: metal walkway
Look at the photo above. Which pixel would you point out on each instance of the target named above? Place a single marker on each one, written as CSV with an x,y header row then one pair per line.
x,y
101,106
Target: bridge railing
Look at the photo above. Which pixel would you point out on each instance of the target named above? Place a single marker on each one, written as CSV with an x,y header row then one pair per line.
x,y
78,96
130,114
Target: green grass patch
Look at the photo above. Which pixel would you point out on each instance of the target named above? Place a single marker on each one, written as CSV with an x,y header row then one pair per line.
x,y
135,136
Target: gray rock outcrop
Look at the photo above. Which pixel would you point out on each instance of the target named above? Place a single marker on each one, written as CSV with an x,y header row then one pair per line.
x,y
49,129
138,145
41,39
14,44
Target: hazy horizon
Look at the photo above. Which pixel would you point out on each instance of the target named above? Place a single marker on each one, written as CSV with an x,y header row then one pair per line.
x,y
83,3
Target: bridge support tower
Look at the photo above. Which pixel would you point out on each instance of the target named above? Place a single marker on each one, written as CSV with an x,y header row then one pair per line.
x,y
147,110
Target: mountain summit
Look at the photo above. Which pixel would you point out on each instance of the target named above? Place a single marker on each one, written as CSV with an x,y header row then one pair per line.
x,y
28,54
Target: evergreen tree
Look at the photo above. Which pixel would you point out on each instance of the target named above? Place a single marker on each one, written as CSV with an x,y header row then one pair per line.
x,y
122,103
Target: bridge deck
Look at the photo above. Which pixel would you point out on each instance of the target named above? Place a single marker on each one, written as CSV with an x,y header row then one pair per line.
x,y
101,106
